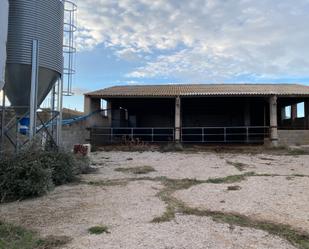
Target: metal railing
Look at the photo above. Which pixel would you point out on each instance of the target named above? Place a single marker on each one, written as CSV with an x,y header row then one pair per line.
x,y
239,134
101,135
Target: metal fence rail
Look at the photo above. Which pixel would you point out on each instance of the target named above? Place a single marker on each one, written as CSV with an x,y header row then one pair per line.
x,y
100,135
240,134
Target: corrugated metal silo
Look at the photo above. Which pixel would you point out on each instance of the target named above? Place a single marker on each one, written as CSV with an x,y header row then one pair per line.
x,y
4,9
30,20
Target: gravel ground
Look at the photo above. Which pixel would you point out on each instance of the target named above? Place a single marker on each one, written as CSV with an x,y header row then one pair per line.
x,y
173,165
199,166
273,199
185,232
71,210
273,164
127,210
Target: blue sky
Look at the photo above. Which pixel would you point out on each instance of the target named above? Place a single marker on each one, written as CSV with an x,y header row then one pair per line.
x,y
197,41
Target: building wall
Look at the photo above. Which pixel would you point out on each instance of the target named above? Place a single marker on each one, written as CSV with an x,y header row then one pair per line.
x,y
293,123
75,133
293,137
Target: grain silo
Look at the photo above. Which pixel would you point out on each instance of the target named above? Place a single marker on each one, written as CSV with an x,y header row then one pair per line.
x,y
4,8
33,22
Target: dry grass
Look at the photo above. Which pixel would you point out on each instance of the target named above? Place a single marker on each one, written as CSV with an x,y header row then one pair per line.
x,y
109,183
233,188
231,178
137,170
297,238
238,165
15,237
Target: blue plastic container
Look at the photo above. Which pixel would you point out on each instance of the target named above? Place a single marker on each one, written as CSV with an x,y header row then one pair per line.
x,y
24,126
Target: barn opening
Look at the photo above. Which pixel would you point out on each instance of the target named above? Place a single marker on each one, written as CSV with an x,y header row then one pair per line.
x,y
218,113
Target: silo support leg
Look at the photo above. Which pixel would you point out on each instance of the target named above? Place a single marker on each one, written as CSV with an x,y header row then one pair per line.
x,y
59,107
34,88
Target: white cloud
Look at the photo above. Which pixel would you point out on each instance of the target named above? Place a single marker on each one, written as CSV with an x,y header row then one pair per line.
x,y
203,40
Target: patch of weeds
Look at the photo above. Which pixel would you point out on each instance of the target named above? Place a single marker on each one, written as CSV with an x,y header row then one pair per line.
x,y
178,184
289,178
267,175
15,237
53,242
108,183
267,159
297,152
231,178
296,238
238,165
167,216
98,230
166,194
137,170
172,147
299,175
277,148
233,188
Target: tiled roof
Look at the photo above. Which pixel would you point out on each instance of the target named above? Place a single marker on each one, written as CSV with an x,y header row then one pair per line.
x,y
173,90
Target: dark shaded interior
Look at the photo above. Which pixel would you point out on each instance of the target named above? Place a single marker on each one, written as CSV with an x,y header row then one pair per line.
x,y
195,112
222,112
144,112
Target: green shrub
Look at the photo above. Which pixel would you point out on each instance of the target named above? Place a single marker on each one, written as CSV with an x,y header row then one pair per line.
x,y
33,172
62,165
24,175
82,165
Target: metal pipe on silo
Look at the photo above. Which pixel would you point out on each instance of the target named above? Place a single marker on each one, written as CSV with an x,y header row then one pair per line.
x,y
34,88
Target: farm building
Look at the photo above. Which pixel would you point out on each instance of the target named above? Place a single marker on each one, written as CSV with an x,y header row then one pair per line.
x,y
201,113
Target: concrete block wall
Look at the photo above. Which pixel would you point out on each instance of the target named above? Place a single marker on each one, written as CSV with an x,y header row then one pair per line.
x,y
75,133
293,137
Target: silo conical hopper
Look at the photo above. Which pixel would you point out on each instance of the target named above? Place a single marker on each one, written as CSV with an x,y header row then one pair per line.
x,y
4,10
30,20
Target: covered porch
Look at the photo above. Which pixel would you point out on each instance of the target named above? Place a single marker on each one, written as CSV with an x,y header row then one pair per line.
x,y
211,119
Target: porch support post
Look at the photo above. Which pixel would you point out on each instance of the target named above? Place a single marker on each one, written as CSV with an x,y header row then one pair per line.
x,y
177,119
109,113
293,112
247,117
307,113
91,105
273,120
